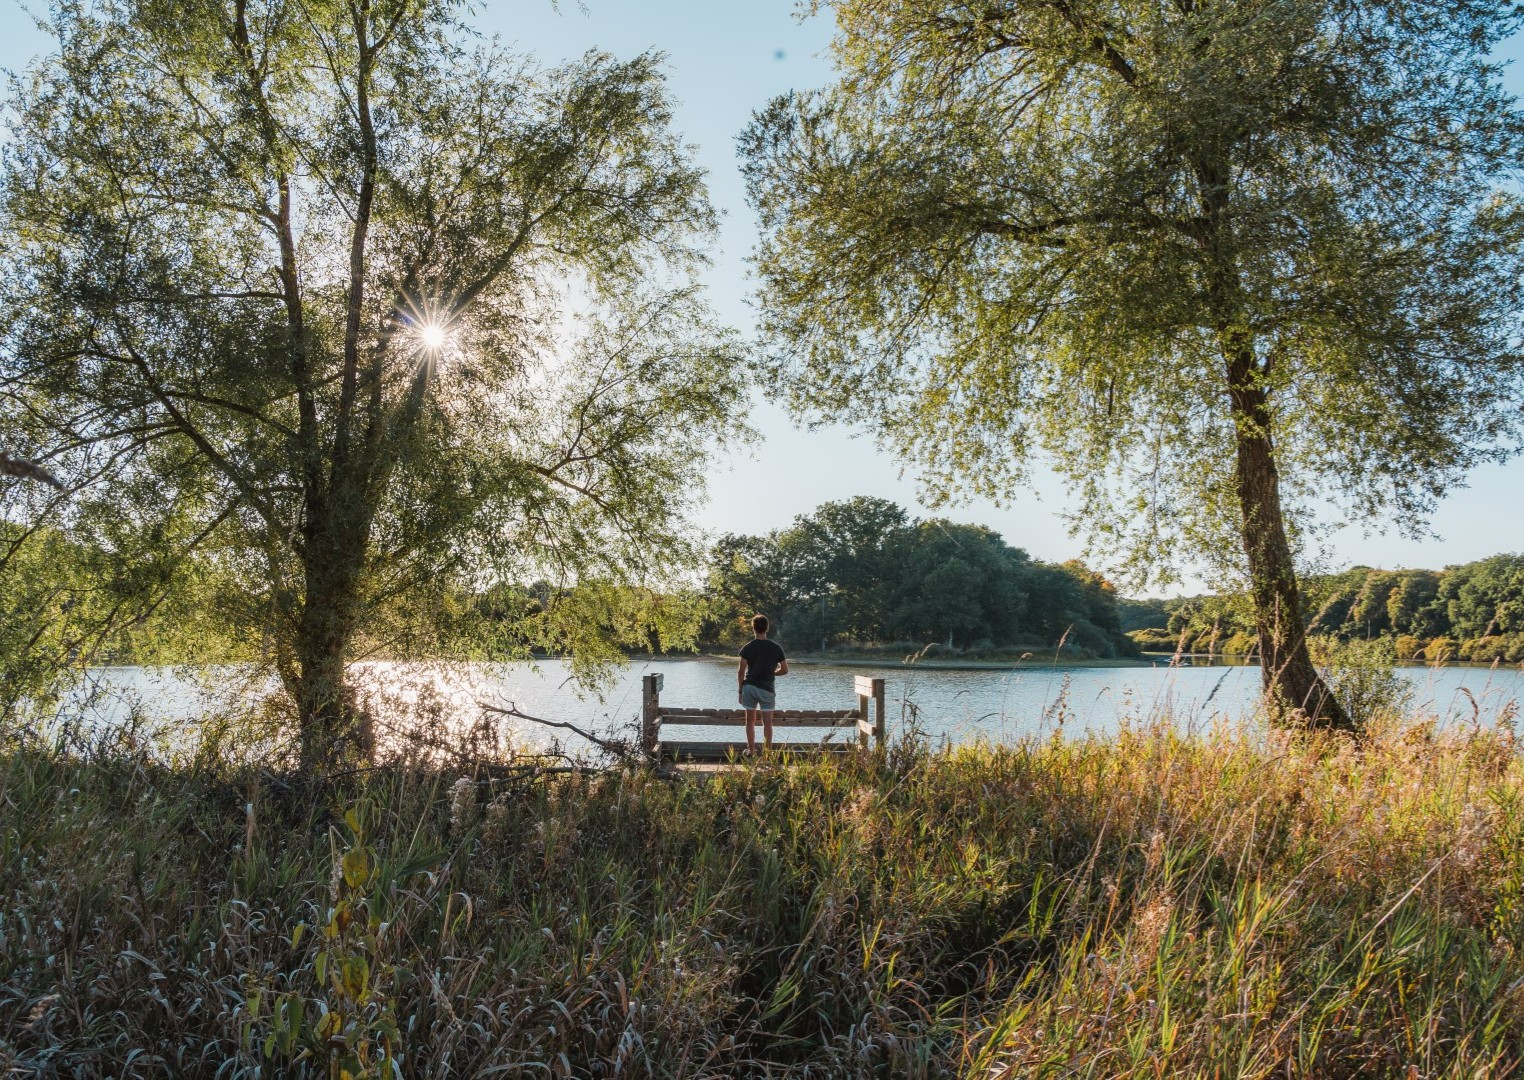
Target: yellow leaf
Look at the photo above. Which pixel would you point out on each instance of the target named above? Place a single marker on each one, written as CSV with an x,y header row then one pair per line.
x,y
356,867
356,976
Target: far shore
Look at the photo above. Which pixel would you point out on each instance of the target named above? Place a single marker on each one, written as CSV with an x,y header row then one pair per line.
x,y
1024,659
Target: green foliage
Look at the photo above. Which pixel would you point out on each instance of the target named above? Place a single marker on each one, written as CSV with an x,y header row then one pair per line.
x,y
1360,673
1134,614
231,226
863,571
1017,226
345,1021
1244,904
1219,263
66,603
1471,612
1482,598
49,609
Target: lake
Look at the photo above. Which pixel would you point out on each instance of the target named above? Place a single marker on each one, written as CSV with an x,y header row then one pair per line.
x,y
948,704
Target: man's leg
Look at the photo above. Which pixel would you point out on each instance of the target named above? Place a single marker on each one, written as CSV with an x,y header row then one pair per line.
x,y
767,729
751,731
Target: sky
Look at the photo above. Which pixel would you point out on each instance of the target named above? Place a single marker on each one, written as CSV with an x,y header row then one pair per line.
x,y
727,58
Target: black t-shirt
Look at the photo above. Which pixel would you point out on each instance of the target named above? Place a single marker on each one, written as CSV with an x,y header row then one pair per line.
x,y
762,659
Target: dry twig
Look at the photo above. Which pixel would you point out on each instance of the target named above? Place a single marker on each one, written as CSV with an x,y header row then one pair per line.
x,y
618,749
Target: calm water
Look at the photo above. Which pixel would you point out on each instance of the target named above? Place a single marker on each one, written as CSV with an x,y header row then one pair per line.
x,y
998,705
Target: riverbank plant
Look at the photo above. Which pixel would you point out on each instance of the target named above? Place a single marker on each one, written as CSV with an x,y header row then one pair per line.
x,y
1230,903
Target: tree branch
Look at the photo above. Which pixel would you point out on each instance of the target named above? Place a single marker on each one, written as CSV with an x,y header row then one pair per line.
x,y
27,470
618,749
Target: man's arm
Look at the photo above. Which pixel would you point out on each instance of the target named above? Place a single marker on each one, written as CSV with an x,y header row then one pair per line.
x,y
782,668
741,675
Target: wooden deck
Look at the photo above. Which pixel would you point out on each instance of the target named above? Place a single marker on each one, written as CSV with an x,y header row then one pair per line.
x,y
867,719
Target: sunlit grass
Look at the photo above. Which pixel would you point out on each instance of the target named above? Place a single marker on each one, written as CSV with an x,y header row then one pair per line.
x,y
1149,904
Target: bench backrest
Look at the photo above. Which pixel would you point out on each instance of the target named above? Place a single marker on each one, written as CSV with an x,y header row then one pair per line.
x,y
868,716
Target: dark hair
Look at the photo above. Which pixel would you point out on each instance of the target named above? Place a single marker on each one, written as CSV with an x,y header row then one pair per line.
x,y
759,624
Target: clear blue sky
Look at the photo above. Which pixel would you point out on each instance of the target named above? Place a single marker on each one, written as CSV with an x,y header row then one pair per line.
x,y
727,58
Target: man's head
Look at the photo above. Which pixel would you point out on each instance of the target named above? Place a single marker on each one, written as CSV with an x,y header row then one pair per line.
x,y
759,624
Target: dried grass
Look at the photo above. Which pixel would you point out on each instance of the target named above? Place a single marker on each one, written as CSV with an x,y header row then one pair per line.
x,y
1150,904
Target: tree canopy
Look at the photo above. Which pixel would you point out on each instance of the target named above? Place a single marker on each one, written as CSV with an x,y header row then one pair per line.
x,y
1212,259
863,571
313,293
1471,612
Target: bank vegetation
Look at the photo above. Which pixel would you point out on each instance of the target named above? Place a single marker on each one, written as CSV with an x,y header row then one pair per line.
x,y
1225,903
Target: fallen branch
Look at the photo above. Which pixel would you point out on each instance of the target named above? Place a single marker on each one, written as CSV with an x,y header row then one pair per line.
x,y
619,749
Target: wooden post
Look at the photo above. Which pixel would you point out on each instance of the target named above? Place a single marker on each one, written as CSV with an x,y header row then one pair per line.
x,y
650,717
870,692
878,714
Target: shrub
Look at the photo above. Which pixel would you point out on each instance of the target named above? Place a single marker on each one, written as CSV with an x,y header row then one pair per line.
x,y
1360,674
1485,650
1408,647
1155,640
1240,643
1440,649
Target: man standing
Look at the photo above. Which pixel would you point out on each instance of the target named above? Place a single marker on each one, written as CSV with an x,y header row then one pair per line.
x,y
761,661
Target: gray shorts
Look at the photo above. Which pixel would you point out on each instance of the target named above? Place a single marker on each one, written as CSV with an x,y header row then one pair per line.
x,y
754,697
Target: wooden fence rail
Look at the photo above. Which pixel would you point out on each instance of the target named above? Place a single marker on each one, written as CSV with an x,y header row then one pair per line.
x,y
868,718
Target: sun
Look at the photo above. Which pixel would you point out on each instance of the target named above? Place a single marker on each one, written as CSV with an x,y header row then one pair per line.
x,y
432,335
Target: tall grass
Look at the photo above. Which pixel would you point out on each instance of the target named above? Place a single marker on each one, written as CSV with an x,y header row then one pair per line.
x,y
1149,904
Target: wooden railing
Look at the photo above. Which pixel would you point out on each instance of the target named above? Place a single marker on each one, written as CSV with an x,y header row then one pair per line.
x,y
867,717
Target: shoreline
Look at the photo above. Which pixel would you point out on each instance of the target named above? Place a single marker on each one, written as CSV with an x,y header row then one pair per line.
x,y
1031,660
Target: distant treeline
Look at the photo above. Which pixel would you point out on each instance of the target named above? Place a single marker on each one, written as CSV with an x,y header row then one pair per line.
x,y
1473,611
864,573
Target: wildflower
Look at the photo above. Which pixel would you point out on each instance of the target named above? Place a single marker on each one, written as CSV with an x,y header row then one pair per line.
x,y
462,804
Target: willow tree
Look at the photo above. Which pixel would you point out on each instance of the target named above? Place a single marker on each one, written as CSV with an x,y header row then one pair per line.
x,y
1213,257
313,289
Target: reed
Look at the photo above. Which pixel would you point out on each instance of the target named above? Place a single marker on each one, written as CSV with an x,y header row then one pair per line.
x,y
1230,903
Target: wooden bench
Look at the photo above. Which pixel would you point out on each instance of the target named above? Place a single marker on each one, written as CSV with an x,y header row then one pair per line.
x,y
867,718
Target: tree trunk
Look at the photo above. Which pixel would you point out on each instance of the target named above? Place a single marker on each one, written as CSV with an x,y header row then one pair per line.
x,y
334,730
1291,682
